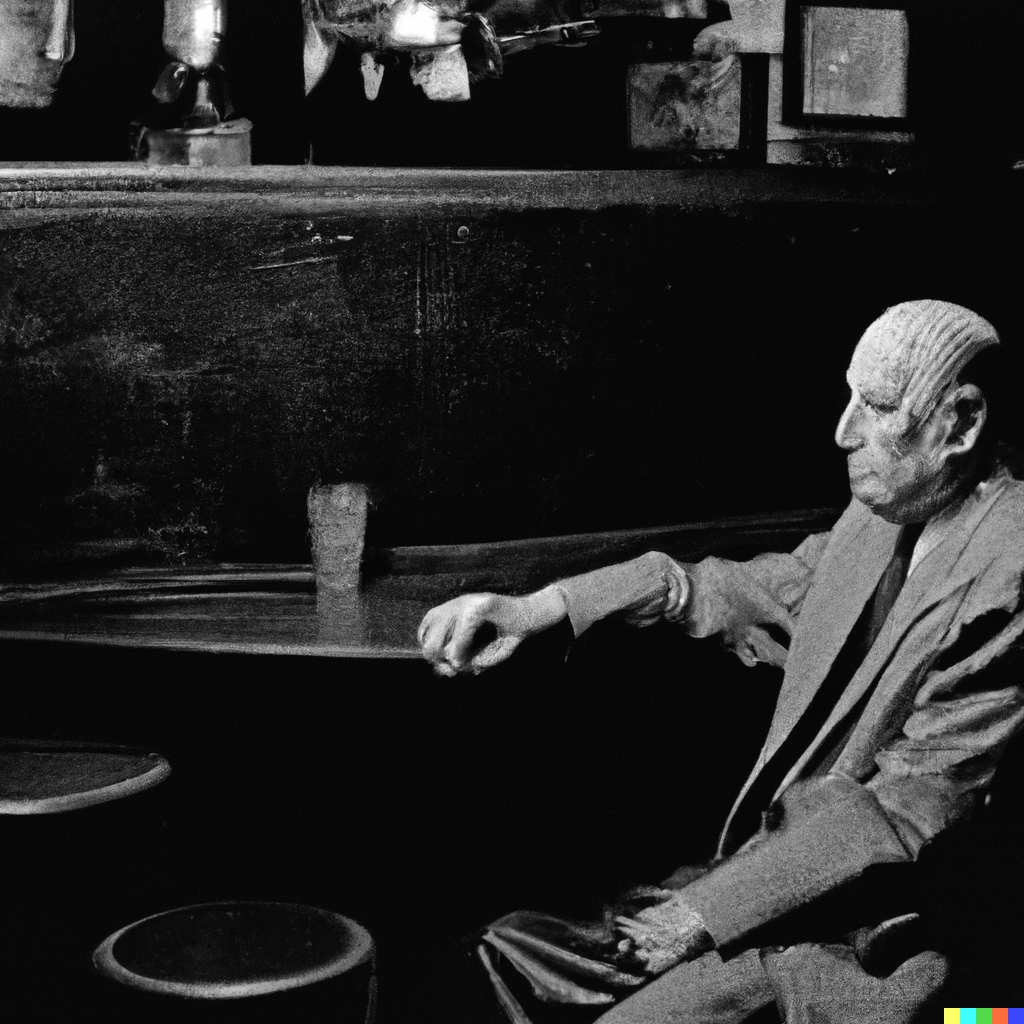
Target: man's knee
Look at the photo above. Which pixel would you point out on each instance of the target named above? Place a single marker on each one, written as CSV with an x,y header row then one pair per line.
x,y
704,991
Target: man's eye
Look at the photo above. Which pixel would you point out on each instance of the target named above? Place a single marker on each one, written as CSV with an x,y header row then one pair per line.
x,y
878,407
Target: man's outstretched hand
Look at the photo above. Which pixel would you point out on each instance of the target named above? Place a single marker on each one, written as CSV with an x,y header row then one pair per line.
x,y
450,635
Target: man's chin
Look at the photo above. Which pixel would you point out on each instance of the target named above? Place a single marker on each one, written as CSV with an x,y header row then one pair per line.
x,y
875,502
892,512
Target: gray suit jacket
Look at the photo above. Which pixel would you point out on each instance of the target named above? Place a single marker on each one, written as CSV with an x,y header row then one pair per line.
x,y
915,737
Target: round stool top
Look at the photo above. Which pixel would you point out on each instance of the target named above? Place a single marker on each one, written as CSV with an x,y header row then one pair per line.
x,y
39,777
230,950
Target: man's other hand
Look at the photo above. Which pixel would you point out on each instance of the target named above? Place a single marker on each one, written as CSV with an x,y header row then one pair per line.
x,y
450,635
664,935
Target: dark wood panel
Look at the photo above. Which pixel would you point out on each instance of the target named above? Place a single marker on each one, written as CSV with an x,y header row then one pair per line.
x,y
497,355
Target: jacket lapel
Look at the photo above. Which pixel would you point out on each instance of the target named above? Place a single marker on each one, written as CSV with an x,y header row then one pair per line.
x,y
844,581
858,552
934,568
940,572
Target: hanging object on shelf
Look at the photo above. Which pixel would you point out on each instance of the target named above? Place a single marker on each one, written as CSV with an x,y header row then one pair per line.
x,y
373,74
442,74
193,36
754,26
854,61
838,96
837,78
37,38
685,106
318,51
453,43
209,133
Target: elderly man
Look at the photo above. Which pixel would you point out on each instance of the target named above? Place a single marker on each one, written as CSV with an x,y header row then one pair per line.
x,y
900,632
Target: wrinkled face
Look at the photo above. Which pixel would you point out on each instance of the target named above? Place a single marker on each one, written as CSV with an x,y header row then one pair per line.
x,y
36,41
901,475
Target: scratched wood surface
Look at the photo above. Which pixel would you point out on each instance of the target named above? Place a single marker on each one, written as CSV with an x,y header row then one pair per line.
x,y
495,354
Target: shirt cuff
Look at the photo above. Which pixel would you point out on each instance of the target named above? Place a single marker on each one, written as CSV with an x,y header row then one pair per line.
x,y
595,595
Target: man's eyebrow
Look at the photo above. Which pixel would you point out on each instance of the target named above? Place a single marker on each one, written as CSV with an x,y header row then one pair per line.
x,y
882,399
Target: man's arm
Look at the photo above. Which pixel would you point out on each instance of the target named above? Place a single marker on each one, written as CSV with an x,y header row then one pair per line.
x,y
827,833
743,602
834,841
647,587
751,606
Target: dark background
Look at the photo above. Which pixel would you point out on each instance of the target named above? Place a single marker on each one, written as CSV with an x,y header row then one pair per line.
x,y
571,370
421,807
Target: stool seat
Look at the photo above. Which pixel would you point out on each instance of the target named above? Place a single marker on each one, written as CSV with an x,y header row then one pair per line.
x,y
47,777
234,949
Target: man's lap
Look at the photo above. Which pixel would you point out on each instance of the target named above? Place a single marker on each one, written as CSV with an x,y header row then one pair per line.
x,y
808,982
704,991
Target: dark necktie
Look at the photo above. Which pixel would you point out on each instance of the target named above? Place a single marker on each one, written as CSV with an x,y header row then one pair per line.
x,y
848,660
890,585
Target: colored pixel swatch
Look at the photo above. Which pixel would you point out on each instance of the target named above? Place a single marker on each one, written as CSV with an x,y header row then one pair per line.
x,y
983,1015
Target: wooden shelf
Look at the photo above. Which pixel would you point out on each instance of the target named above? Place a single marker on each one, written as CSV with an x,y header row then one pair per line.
x,y
321,190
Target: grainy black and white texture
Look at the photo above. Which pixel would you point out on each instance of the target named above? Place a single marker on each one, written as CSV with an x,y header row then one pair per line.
x,y
180,362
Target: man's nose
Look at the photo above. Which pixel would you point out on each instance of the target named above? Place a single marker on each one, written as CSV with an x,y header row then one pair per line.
x,y
848,434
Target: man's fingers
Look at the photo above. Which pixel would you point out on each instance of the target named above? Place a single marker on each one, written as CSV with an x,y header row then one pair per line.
x,y
450,639
428,627
631,928
764,647
434,634
494,653
461,636
446,632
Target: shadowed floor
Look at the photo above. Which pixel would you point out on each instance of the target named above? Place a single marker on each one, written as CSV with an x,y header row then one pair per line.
x,y
420,807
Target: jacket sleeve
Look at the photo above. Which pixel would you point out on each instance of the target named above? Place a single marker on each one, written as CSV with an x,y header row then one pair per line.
x,y
622,587
753,606
825,833
938,769
745,603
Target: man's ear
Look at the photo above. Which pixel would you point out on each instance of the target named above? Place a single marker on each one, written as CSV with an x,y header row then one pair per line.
x,y
967,414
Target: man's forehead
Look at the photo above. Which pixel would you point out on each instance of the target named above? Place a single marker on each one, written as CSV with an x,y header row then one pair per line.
x,y
880,367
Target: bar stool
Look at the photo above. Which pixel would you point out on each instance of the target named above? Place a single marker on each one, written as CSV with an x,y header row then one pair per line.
x,y
47,777
61,871
242,961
